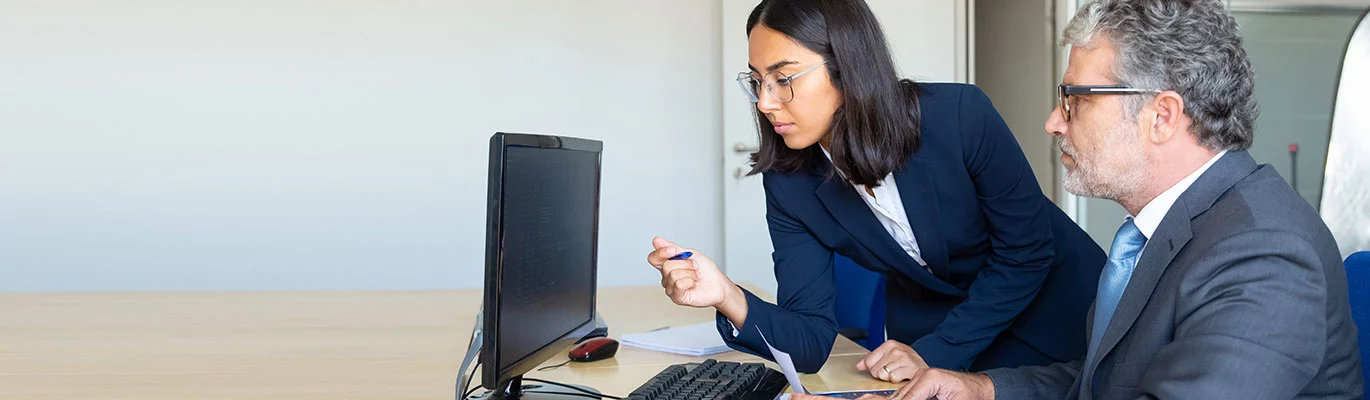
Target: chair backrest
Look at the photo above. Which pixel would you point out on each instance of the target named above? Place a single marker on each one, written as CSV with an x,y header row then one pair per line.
x,y
1358,281
860,301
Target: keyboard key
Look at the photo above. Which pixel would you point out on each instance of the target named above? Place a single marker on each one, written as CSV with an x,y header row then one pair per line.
x,y
712,380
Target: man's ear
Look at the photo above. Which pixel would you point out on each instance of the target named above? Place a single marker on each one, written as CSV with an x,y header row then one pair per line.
x,y
1169,118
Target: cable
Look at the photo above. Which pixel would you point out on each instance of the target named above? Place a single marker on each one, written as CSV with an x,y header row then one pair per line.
x,y
468,393
460,389
554,366
587,392
581,395
468,383
583,392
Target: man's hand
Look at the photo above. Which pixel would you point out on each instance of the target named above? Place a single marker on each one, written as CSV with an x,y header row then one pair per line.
x,y
946,385
937,384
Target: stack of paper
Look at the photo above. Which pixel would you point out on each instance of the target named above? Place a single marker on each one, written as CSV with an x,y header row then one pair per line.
x,y
691,340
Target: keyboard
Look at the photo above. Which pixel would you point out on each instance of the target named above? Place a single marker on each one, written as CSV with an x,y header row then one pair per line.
x,y
710,380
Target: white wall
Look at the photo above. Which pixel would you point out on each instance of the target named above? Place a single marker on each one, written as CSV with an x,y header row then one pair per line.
x,y
339,144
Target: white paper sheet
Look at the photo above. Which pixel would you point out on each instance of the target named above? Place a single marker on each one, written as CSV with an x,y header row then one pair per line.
x,y
692,340
786,365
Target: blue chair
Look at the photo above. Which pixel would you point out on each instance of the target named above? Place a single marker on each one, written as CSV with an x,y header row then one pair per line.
x,y
860,303
1358,281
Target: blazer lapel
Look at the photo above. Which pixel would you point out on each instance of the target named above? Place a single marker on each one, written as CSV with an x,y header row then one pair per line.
x,y
846,206
1170,237
1166,242
919,196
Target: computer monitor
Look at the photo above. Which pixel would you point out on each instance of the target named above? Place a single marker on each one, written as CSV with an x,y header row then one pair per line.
x,y
542,232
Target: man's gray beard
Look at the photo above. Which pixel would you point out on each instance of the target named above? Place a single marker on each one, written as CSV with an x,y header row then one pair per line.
x,y
1125,177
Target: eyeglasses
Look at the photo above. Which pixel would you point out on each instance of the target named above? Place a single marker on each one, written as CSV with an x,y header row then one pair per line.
x,y
776,83
1065,91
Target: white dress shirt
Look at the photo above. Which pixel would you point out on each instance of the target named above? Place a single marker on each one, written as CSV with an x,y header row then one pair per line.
x,y
1151,215
889,209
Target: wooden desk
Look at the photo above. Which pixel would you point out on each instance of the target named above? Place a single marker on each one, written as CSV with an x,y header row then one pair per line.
x,y
305,345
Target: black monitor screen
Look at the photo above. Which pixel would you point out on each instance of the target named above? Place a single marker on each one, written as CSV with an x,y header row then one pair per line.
x,y
544,272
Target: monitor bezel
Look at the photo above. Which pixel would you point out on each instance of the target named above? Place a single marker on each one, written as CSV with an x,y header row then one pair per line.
x,y
492,376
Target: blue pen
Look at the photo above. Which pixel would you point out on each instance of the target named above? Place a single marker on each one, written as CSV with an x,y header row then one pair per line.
x,y
682,256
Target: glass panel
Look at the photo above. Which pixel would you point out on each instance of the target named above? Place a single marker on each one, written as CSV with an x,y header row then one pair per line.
x,y
1296,56
1346,196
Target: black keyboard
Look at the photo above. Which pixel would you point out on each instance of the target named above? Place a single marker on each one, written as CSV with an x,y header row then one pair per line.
x,y
712,379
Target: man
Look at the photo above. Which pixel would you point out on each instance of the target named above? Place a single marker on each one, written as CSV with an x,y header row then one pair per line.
x,y
1223,283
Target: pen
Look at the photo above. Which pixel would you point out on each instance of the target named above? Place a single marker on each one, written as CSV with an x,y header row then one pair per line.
x,y
682,256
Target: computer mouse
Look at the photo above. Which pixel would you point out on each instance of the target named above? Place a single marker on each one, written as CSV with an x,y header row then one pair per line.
x,y
598,332
594,350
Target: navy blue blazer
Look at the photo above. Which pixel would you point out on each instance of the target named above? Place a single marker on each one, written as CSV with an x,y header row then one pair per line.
x,y
1003,258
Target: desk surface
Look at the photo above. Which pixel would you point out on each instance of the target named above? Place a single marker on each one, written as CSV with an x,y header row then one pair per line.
x,y
306,345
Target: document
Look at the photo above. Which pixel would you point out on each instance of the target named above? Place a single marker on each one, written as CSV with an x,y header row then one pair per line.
x,y
786,365
692,340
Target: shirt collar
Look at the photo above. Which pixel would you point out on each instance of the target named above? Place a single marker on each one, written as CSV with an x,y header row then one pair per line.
x,y
886,182
1151,215
834,166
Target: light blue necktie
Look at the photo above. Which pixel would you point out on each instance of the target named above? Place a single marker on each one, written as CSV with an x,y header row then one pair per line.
x,y
1122,260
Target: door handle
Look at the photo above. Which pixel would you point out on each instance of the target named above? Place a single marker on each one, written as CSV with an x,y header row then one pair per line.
x,y
741,172
741,148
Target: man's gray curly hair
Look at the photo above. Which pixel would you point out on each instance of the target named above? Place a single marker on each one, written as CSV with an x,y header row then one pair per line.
x,y
1192,47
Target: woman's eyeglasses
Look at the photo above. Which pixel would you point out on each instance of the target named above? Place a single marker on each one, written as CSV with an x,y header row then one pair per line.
x,y
777,84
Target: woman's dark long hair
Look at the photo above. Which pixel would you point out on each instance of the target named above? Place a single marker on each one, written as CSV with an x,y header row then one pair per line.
x,y
875,130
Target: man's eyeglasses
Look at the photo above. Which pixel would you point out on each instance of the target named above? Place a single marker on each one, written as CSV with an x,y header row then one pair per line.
x,y
777,84
1065,91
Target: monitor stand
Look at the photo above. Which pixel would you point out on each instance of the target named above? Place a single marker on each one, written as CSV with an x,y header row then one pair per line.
x,y
535,391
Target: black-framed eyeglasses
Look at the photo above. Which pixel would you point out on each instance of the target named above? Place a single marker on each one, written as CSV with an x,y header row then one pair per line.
x,y
777,84
1064,92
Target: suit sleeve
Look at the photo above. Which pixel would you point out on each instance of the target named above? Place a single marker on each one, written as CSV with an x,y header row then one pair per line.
x,y
1252,322
1020,238
803,323
1045,382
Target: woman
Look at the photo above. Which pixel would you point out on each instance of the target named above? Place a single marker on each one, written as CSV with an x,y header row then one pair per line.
x,y
922,182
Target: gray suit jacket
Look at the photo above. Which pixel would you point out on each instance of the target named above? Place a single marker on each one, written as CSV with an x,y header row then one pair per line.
x,y
1239,294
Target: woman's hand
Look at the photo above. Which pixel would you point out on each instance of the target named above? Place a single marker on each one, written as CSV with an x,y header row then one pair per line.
x,y
893,362
694,282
